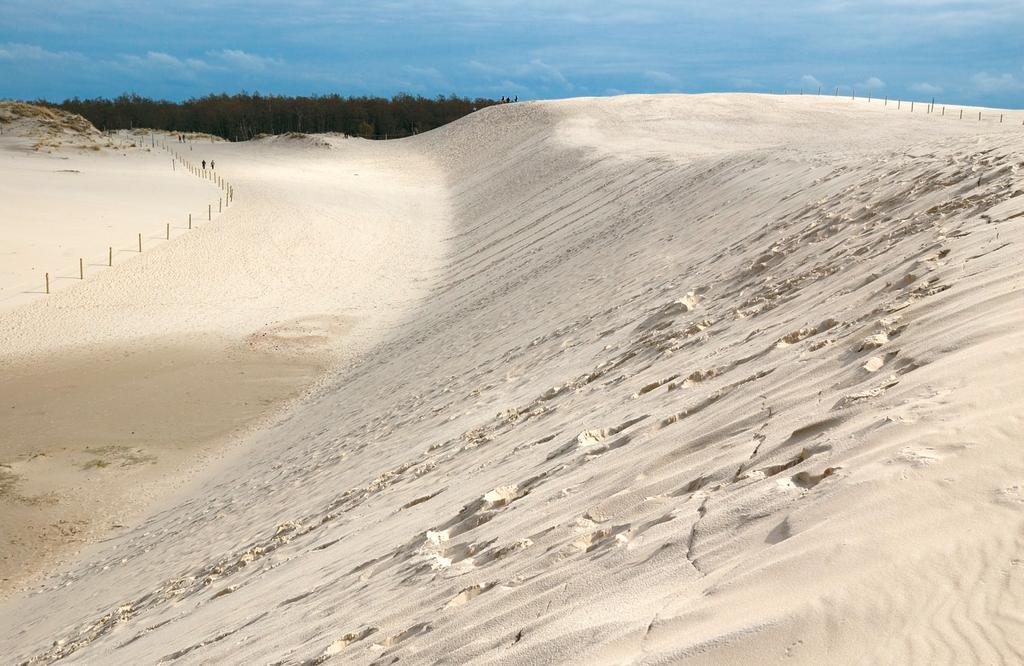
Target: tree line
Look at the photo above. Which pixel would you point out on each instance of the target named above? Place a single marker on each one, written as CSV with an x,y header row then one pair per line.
x,y
244,116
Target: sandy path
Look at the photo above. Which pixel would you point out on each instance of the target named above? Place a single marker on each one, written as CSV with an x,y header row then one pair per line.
x,y
68,204
751,397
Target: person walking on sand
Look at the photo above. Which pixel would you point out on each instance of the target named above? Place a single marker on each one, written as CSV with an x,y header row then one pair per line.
x,y
211,164
204,165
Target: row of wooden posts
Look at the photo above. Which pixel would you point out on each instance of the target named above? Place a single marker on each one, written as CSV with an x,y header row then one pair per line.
x,y
899,104
176,159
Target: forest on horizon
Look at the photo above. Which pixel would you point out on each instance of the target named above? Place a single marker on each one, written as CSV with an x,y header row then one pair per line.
x,y
244,116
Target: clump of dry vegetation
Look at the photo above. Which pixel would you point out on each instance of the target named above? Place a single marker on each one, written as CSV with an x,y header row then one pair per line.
x,y
50,127
122,456
8,480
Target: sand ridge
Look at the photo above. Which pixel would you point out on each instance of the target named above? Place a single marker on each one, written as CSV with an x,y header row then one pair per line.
x,y
671,403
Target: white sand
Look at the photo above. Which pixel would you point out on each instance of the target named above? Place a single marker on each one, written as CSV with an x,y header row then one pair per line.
x,y
708,379
62,207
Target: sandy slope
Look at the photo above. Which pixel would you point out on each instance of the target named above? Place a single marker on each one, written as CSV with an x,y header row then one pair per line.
x,y
702,379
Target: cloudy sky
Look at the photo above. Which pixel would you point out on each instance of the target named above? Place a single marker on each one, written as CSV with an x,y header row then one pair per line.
x,y
959,51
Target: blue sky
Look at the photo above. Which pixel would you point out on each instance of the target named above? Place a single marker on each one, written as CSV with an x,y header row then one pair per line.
x,y
958,51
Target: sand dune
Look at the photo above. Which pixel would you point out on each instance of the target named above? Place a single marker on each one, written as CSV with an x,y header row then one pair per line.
x,y
675,379
116,383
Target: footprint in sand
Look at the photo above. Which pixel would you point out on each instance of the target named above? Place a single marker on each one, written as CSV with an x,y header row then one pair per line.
x,y
415,630
917,457
468,594
874,364
348,639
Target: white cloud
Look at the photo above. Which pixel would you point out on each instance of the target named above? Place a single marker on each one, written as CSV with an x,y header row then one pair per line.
x,y
161,59
872,83
659,77
996,83
426,72
156,63
810,82
136,65
536,70
421,79
507,87
548,72
238,59
742,83
13,51
925,88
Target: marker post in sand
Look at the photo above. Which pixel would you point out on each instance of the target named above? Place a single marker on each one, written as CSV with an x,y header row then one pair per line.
x,y
209,212
81,269
220,205
110,256
168,231
140,242
190,220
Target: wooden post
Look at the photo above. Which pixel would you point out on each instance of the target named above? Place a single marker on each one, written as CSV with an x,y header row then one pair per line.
x,y
110,256
1000,119
899,103
911,107
209,212
81,269
140,242
961,114
943,110
979,116
47,283
190,220
168,231
220,205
